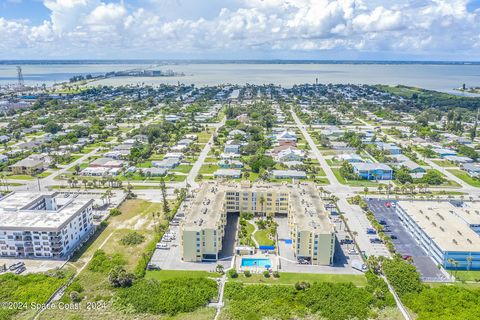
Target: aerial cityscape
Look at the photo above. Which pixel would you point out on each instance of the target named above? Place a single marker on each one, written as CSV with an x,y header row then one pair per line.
x,y
319,160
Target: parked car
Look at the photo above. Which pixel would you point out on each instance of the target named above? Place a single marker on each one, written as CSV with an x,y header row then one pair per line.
x,y
153,267
303,261
383,222
387,229
393,237
376,240
359,265
16,266
162,245
346,241
371,231
352,251
406,257
20,270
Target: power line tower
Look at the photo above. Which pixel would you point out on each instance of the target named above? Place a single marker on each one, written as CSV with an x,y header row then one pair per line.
x,y
21,82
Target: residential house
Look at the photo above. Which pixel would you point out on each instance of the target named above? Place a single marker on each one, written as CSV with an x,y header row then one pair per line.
x,y
230,164
389,148
373,171
232,147
286,136
28,166
442,153
154,172
227,173
351,158
107,163
458,159
473,169
169,163
290,154
289,174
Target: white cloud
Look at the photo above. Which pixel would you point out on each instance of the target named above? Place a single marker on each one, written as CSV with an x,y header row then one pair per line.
x,y
103,27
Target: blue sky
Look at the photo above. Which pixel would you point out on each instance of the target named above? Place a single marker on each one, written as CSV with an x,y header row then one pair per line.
x,y
240,29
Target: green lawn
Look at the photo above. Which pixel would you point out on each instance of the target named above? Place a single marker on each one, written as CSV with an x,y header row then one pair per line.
x,y
444,163
145,164
208,169
464,275
465,177
19,177
45,174
183,168
172,274
333,162
262,238
292,278
70,160
354,183
204,136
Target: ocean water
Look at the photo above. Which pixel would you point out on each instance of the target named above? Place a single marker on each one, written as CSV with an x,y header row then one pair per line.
x,y
441,77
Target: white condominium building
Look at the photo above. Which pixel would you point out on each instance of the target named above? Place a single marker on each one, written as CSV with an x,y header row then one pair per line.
x,y
43,225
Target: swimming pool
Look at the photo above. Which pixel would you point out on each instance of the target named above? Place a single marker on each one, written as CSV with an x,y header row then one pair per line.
x,y
256,262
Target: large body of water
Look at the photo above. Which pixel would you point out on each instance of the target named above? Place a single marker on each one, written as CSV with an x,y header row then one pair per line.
x,y
441,77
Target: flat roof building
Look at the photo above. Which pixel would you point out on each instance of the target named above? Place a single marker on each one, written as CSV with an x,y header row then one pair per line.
x,y
446,231
202,232
44,225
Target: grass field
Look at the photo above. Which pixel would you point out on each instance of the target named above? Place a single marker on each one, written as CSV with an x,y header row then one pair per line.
x,y
183,168
464,275
208,169
444,163
262,238
465,177
292,278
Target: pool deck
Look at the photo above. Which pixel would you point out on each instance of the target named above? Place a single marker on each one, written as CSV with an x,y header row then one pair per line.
x,y
254,269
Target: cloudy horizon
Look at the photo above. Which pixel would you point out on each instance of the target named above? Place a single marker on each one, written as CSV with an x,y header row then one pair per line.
x,y
241,29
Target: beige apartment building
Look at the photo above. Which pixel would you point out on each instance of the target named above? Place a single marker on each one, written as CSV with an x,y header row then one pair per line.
x,y
312,233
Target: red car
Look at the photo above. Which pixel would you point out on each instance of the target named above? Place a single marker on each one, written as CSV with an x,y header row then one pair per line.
x,y
406,257
388,204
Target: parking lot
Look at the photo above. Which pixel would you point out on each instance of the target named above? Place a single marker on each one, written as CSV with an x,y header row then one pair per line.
x,y
33,265
358,222
405,244
170,258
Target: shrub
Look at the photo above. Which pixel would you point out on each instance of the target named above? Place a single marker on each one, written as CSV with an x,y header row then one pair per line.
x,y
247,273
266,274
276,274
232,273
115,212
402,275
75,297
101,262
119,278
166,297
302,285
132,238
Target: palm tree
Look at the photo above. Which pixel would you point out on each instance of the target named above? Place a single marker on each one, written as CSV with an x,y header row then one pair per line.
x,y
262,204
380,188
469,262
